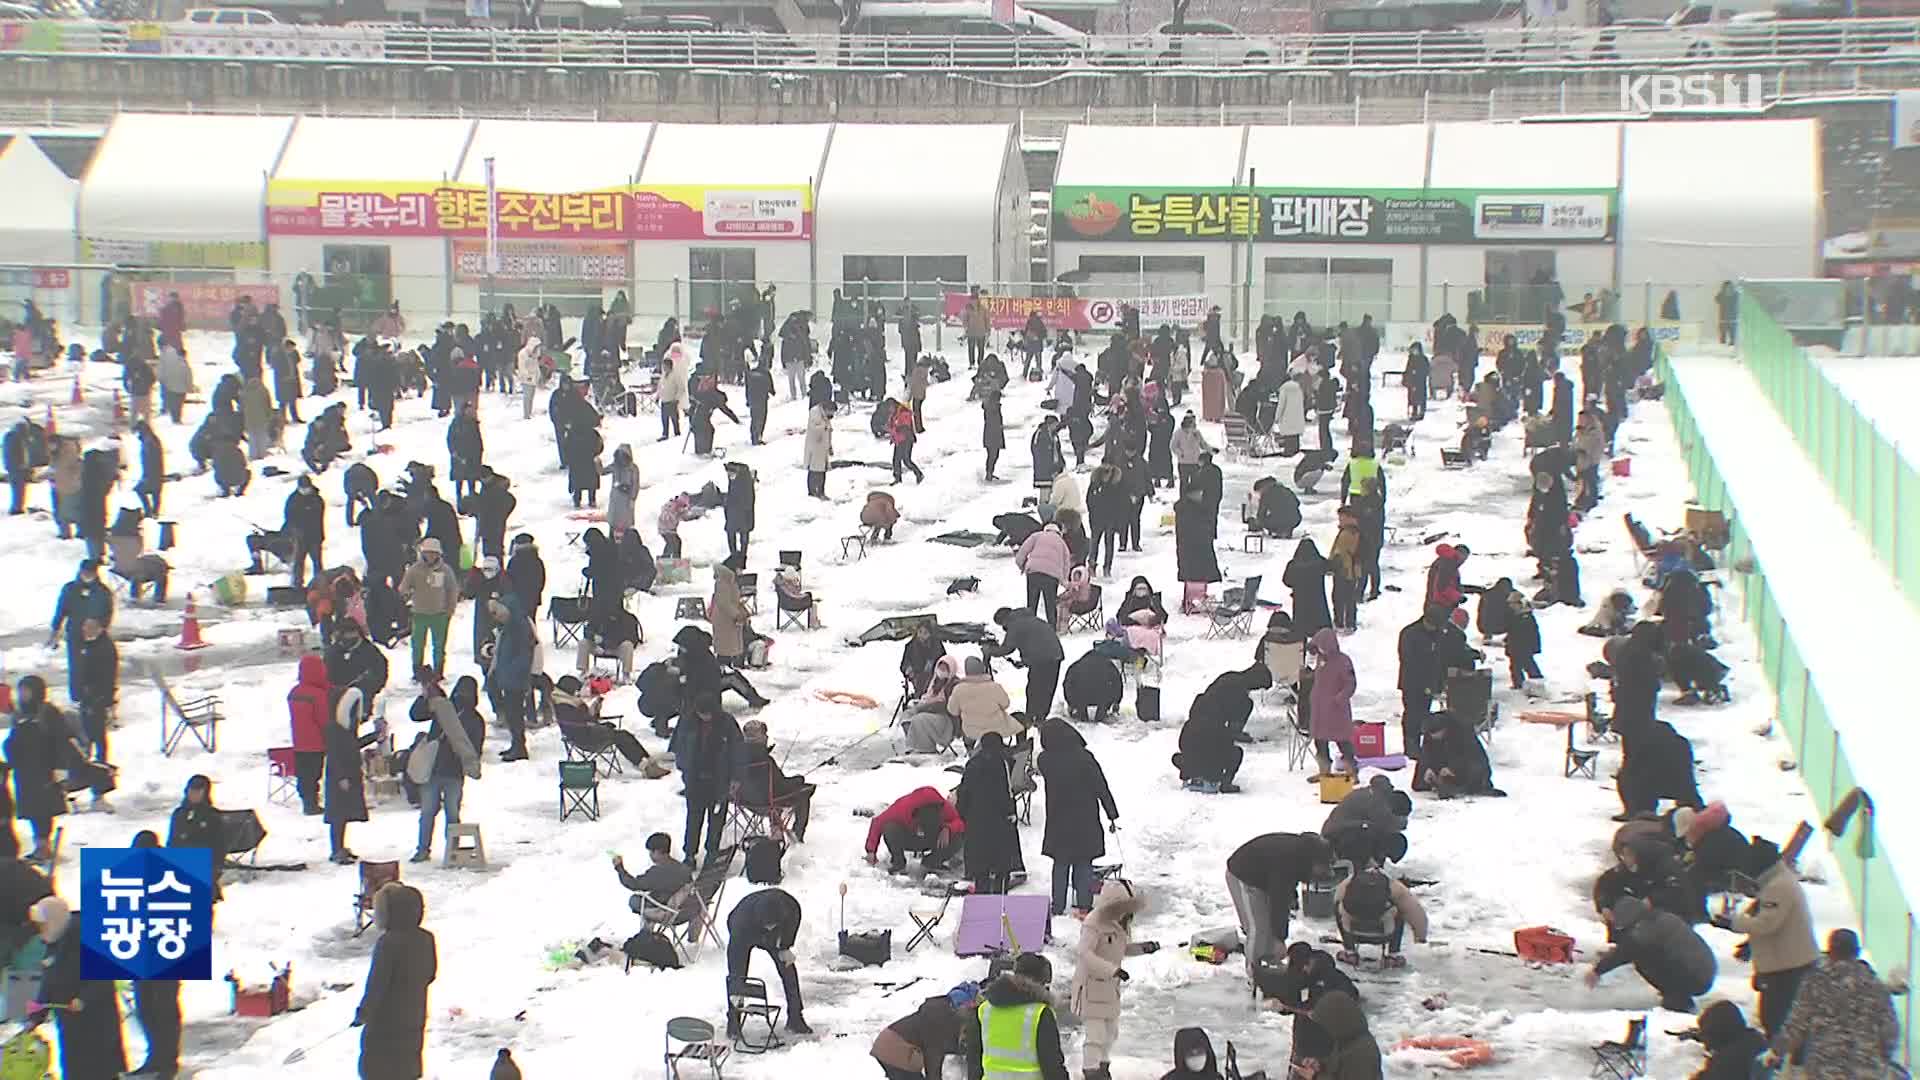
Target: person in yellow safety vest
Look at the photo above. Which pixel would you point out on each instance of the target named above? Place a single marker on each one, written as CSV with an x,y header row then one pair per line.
x,y
1013,1035
1362,470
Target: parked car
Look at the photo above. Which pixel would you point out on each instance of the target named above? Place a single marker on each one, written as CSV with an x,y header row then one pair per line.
x,y
1209,43
228,17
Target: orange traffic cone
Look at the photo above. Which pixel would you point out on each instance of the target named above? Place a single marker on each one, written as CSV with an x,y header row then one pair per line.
x,y
79,398
190,629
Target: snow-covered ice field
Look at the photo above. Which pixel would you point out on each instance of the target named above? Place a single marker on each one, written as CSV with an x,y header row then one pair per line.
x,y
1500,864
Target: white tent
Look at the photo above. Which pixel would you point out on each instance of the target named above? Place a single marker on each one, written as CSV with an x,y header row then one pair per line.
x,y
166,177
36,217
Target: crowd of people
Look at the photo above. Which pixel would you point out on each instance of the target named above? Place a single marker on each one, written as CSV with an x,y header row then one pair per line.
x,y
424,567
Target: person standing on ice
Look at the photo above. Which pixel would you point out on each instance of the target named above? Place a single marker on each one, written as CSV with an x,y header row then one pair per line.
x,y
768,920
1038,645
527,371
1843,1023
510,677
759,391
392,1016
432,589
901,432
1106,940
817,449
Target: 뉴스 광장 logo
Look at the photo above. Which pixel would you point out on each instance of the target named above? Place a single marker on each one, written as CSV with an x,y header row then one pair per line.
x,y
146,913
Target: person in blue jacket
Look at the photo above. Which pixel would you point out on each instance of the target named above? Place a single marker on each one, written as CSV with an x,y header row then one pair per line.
x,y
510,678
85,597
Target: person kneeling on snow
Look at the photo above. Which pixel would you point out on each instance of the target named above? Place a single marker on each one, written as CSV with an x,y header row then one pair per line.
x,y
1014,1032
1452,761
1374,907
915,1047
1092,682
1209,758
922,821
1660,945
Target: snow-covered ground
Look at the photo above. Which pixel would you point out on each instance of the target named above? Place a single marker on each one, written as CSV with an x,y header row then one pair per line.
x,y
1500,863
1884,388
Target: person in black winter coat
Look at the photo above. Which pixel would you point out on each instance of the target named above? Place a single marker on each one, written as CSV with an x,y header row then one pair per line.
x,y
581,449
1193,1056
1523,641
1733,1048
1077,792
1209,758
345,793
491,504
1430,646
306,525
1263,879
739,507
1092,682
153,469
99,683
1656,763
1310,974
1230,694
527,574
984,800
638,571
759,391
196,823
466,450
33,751
1306,576
707,749
99,471
1494,612
1196,564
393,1011
25,442
1452,761
1279,508
923,650
993,429
768,920
1038,646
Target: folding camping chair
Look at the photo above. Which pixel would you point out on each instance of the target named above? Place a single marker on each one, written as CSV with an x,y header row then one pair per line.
x,y
1581,760
697,1047
243,834
747,1003
690,607
1239,436
1626,1059
749,591
198,716
605,761
283,780
1233,616
579,790
688,919
1088,615
372,876
1599,724
746,822
568,614
926,921
793,610
1295,739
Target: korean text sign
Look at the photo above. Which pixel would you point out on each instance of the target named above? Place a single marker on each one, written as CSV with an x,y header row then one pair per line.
x,y
146,913
1376,216
645,212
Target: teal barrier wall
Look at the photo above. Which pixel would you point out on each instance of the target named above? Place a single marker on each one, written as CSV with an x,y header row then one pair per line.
x,y
1886,918
1860,463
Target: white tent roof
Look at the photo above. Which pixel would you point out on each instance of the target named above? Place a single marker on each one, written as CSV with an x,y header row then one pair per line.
x,y
166,177
380,148
553,156
1338,157
36,217
922,187
736,154
1522,157
1150,157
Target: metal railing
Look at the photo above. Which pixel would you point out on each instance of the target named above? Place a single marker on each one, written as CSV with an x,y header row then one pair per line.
x,y
1478,48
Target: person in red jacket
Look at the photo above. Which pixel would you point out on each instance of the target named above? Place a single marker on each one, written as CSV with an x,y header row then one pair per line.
x,y
922,820
308,706
900,431
1443,577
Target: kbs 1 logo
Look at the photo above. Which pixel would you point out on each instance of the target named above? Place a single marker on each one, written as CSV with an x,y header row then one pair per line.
x,y
1660,93
146,913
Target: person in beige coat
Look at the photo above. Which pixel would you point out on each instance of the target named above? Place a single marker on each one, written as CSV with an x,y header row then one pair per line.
x,y
673,388
981,704
527,370
817,451
1106,940
65,477
256,411
1403,912
729,615
1780,934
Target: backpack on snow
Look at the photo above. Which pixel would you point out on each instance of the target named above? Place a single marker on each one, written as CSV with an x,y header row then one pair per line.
x,y
650,947
1369,895
763,860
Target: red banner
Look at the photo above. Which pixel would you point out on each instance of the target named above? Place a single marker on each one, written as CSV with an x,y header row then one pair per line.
x,y
208,306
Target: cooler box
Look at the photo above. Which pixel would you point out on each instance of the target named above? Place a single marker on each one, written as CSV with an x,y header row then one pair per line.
x,y
1334,787
1543,944
1369,740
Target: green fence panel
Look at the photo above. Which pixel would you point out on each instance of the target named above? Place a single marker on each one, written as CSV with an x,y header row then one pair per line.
x,y
1886,477
1792,692
1852,868
1888,918
1816,752
1907,548
1861,505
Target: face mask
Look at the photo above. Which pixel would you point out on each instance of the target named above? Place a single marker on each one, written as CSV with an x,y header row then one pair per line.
x,y
1196,1062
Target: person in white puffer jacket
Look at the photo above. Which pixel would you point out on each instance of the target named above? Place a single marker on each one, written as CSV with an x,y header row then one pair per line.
x,y
527,370
673,388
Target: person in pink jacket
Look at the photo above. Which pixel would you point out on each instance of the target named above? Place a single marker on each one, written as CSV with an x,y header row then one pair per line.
x,y
1044,558
1333,686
